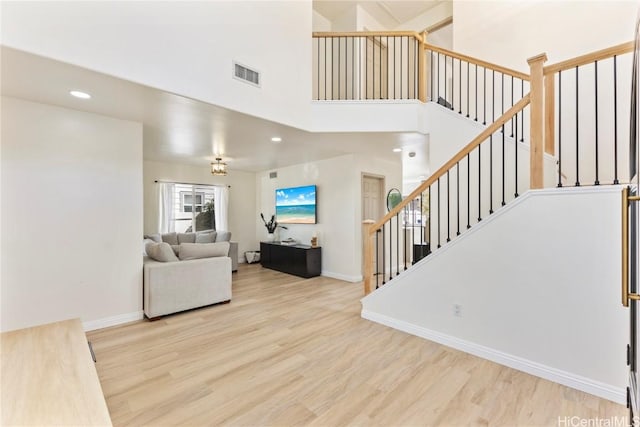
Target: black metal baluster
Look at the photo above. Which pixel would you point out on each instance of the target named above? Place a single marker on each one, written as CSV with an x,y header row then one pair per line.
x,y
366,68
401,97
577,132
479,184
377,259
490,174
513,118
521,113
438,212
484,95
408,70
502,92
468,191
448,210
373,70
615,121
405,215
318,79
353,67
390,248
380,71
387,66
458,196
432,91
325,68
493,96
384,266
560,128
515,148
397,244
476,73
446,94
339,91
503,168
467,89
597,182
438,80
460,86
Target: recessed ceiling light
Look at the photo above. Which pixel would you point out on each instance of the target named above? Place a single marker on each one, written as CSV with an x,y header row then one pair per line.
x,y
79,94
397,150
276,139
422,177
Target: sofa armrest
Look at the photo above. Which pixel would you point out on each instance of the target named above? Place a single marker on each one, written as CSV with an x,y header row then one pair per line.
x,y
233,254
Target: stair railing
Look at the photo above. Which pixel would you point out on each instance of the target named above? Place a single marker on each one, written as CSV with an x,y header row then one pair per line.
x,y
586,116
479,179
368,65
476,89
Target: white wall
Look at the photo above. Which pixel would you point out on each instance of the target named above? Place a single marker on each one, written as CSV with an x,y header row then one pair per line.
x,y
242,208
339,200
523,305
429,18
181,47
507,33
320,23
71,216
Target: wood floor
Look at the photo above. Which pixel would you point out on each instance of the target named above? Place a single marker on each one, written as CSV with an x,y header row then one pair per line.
x,y
288,351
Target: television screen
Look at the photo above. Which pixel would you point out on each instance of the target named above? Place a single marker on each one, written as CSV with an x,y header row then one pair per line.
x,y
296,205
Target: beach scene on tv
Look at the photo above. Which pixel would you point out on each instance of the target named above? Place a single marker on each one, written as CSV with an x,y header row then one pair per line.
x,y
296,205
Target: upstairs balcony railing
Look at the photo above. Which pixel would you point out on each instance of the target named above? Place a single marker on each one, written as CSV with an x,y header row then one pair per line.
x,y
368,65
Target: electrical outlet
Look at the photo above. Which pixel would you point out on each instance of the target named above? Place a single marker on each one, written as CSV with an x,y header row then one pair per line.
x,y
457,310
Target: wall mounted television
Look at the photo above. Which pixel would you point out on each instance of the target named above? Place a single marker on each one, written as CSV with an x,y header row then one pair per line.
x,y
296,205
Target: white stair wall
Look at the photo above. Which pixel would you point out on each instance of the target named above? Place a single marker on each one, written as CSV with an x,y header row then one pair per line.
x,y
538,288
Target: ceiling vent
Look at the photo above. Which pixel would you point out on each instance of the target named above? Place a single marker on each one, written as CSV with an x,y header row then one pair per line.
x,y
273,175
246,74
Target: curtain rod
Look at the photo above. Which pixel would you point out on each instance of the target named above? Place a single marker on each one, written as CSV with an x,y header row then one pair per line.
x,y
190,183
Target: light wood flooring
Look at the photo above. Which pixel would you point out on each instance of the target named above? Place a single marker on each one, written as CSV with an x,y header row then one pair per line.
x,y
288,351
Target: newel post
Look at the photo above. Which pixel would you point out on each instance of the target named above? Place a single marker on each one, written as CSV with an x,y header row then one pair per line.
x,y
367,256
536,66
422,69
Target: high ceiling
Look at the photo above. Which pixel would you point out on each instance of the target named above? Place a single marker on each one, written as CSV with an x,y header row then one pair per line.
x,y
179,129
388,13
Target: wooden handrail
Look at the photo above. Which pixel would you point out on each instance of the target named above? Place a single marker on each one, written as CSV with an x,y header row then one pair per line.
x,y
414,34
589,58
490,130
479,62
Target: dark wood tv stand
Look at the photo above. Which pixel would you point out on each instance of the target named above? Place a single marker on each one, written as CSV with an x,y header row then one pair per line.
x,y
299,260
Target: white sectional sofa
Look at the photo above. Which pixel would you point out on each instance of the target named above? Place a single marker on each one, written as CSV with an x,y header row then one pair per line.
x,y
184,276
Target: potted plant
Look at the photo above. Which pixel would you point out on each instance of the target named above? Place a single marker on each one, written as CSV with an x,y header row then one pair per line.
x,y
272,226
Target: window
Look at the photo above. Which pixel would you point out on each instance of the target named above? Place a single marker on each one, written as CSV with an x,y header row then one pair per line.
x,y
194,208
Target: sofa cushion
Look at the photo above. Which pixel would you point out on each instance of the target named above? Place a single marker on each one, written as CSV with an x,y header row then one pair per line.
x,y
144,245
203,250
223,236
170,238
206,236
176,249
160,252
186,238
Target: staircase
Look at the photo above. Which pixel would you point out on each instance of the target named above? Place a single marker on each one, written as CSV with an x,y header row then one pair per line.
x,y
506,250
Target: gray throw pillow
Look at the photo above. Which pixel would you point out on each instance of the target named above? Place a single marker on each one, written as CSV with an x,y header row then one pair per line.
x,y
186,238
144,245
155,237
170,238
206,237
203,250
160,252
223,236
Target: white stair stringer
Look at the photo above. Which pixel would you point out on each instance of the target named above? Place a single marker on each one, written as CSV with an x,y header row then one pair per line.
x,y
537,288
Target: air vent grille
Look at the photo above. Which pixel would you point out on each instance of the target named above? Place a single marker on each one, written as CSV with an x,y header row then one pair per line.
x,y
246,74
273,175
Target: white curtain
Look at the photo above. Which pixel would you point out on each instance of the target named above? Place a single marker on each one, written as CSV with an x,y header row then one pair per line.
x,y
221,194
166,219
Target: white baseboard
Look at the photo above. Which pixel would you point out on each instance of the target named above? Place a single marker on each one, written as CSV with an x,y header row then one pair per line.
x,y
596,388
92,325
340,276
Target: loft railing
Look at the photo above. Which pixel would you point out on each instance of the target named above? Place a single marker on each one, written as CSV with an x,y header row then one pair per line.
x,y
475,88
586,116
480,178
368,65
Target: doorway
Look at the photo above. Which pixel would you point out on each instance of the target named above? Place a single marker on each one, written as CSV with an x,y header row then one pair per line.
x,y
373,208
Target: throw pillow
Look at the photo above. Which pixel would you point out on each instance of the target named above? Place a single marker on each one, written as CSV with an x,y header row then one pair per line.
x,y
144,245
160,252
186,238
223,236
170,238
206,237
176,249
203,250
